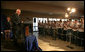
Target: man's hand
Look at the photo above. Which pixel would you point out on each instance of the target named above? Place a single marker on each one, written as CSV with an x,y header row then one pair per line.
x,y
21,21
1,32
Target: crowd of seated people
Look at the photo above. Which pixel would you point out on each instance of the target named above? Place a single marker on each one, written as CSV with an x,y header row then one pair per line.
x,y
70,31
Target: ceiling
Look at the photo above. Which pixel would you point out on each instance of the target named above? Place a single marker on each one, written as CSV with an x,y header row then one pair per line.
x,y
64,3
48,7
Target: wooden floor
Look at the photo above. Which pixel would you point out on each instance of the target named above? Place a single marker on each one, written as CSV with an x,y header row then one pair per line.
x,y
47,44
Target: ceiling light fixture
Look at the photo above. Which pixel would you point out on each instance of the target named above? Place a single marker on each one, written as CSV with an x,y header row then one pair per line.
x,y
68,9
73,10
66,15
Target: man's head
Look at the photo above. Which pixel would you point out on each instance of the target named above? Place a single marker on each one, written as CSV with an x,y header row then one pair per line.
x,y
70,20
60,21
8,19
18,11
82,20
55,22
76,20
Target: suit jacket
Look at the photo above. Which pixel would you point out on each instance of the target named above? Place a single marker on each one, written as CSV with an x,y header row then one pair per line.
x,y
8,26
15,19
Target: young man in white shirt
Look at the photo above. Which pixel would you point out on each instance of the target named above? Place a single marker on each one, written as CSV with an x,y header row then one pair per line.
x,y
69,31
75,32
54,30
81,32
65,30
49,27
59,29
39,25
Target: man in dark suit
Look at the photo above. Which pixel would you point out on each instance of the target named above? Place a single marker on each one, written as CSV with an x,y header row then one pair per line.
x,y
16,24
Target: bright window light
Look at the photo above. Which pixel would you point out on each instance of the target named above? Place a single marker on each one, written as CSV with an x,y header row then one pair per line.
x,y
58,19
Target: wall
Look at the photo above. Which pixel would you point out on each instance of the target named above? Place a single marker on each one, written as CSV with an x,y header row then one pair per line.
x,y
28,15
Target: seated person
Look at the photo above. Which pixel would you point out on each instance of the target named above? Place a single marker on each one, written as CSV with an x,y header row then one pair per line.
x,y
31,41
7,29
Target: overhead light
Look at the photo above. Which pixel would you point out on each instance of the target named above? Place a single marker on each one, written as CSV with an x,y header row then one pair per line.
x,y
68,9
73,10
66,15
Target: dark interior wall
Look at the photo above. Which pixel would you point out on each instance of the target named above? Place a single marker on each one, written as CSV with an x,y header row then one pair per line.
x,y
28,15
7,12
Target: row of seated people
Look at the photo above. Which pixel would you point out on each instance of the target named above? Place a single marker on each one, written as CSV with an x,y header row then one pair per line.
x,y
70,31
